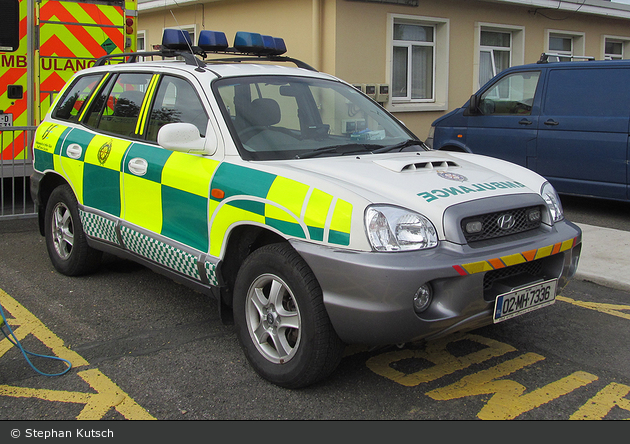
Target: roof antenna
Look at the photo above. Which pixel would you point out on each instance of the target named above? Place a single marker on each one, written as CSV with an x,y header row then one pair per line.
x,y
199,63
180,30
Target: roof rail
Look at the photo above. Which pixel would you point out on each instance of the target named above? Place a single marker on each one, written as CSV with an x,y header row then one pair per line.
x,y
545,56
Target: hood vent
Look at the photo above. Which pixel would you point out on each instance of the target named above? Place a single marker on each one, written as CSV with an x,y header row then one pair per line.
x,y
409,164
429,165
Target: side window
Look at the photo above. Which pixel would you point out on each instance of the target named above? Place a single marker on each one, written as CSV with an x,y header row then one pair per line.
x,y
176,101
71,103
608,93
513,94
117,106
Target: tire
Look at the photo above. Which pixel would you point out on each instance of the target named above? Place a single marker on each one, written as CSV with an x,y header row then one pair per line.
x,y
65,240
281,321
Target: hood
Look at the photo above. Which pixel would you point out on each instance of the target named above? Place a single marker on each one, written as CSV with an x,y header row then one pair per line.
x,y
426,182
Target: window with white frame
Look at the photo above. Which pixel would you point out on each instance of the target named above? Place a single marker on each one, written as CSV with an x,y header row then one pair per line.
x,y
495,53
418,68
413,68
613,49
141,41
565,46
562,46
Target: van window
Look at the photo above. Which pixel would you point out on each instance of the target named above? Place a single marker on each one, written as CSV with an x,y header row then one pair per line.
x,y
512,94
588,92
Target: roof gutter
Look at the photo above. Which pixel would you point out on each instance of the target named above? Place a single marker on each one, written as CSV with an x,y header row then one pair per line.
x,y
593,7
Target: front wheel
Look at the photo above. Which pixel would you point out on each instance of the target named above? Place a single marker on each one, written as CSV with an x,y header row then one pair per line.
x,y
281,320
65,240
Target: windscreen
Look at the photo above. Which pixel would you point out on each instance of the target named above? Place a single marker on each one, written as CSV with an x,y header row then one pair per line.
x,y
277,117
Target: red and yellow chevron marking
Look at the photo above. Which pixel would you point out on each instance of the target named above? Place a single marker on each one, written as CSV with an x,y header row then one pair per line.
x,y
514,259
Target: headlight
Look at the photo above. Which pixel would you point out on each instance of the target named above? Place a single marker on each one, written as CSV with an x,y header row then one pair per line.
x,y
553,202
392,228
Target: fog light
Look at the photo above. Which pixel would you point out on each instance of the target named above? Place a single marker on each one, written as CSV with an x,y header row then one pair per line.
x,y
534,215
474,227
422,299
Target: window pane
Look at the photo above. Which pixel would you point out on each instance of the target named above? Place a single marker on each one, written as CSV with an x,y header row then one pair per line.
x,y
415,33
422,72
491,38
176,101
560,43
513,94
485,67
399,74
116,110
614,48
501,60
71,103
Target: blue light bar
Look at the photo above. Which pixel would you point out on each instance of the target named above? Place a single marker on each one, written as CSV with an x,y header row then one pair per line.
x,y
249,42
212,41
176,39
254,43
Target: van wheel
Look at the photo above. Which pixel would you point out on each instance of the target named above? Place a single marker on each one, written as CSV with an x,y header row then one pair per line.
x,y
281,321
65,240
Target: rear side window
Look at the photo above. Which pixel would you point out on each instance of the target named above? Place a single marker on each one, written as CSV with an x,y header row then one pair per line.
x,y
117,106
75,98
588,92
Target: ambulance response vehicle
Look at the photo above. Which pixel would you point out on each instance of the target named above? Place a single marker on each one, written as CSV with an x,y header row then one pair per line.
x,y
310,213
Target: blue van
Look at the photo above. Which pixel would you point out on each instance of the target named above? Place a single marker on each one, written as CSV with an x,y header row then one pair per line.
x,y
567,121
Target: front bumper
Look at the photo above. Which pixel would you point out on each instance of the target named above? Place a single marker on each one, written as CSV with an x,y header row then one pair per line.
x,y
369,295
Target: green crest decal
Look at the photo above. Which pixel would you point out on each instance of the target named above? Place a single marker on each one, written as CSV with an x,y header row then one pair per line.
x,y
104,151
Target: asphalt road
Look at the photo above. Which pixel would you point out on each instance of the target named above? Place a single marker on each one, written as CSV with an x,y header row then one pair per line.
x,y
144,347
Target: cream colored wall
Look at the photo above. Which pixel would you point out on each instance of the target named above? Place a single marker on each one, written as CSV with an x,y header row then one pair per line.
x,y
289,19
349,38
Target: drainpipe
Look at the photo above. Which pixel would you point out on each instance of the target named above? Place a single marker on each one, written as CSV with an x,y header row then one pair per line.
x,y
317,34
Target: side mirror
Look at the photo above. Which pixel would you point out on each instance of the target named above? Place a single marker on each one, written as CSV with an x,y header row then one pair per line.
x,y
473,106
185,137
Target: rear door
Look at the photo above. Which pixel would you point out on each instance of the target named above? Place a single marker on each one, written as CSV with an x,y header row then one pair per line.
x,y
508,123
583,131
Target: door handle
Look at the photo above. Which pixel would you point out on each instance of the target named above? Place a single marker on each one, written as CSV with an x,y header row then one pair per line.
x,y
525,122
551,122
138,166
74,151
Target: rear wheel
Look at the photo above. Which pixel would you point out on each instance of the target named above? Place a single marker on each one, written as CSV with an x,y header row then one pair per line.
x,y
281,321
65,240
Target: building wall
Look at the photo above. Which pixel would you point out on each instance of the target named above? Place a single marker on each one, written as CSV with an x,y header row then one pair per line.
x,y
352,39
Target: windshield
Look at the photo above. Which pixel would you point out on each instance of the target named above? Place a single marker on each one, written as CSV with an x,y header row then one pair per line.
x,y
275,118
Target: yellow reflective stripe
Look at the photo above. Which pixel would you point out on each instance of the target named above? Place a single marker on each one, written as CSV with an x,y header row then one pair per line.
x,y
317,209
342,216
142,118
288,194
98,88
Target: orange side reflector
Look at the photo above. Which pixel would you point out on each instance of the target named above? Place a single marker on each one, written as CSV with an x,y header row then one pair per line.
x,y
217,193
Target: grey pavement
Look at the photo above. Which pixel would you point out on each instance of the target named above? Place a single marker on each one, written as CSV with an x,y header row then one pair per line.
x,y
605,258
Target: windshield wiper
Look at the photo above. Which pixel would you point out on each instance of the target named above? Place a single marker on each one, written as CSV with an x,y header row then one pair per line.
x,y
399,146
346,148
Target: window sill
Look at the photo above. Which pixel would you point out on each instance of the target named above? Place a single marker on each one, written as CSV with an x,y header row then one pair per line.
x,y
415,107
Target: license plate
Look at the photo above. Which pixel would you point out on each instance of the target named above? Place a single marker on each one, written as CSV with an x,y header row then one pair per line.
x,y
6,119
524,300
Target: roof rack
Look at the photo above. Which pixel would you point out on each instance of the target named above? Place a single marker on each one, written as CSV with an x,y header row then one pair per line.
x,y
247,46
544,57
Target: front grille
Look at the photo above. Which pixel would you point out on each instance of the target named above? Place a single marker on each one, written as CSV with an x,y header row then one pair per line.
x,y
533,268
502,223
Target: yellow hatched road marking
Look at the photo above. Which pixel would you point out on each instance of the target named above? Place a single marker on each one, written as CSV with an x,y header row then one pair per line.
x,y
611,309
108,395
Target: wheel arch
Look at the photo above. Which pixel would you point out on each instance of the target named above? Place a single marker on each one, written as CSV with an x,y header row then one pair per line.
x,y
46,186
242,241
